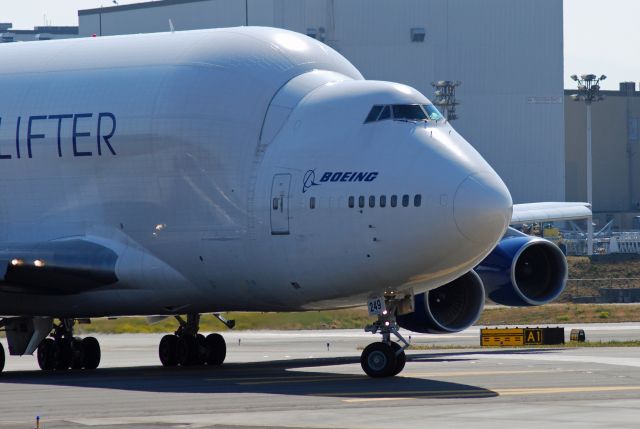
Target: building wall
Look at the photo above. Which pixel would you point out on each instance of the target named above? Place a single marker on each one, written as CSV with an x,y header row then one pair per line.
x,y
511,72
616,161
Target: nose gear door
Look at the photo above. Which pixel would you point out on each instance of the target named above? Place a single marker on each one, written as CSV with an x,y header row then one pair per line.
x,y
280,204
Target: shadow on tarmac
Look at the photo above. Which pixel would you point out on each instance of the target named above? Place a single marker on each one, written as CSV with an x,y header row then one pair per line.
x,y
282,377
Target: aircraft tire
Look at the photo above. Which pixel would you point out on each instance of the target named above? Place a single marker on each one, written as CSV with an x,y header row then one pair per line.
x,y
77,354
2,357
378,360
47,354
63,355
401,359
216,349
92,353
168,350
201,350
187,350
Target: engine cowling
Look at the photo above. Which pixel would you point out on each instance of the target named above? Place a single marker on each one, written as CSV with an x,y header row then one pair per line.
x,y
450,308
523,271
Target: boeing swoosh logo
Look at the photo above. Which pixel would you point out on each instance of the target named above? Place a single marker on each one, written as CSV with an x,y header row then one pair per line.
x,y
309,180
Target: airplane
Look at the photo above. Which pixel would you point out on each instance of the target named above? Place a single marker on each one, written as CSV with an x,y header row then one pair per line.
x,y
243,169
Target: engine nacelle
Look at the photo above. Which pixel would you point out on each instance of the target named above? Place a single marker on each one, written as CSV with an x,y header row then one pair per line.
x,y
449,308
523,271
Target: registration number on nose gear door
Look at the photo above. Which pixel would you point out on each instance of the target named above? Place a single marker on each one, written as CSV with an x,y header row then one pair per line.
x,y
376,305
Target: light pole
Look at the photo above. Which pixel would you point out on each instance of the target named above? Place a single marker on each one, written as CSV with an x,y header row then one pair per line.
x,y
589,92
445,92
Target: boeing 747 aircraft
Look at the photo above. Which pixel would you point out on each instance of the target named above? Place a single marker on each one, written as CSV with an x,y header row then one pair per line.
x,y
242,169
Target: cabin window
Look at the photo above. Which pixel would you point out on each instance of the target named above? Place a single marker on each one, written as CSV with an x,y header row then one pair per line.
x,y
394,200
312,202
361,201
372,201
275,203
405,200
417,200
383,200
352,202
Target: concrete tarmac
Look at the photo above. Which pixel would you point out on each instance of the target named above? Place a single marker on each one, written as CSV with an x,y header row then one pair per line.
x,y
313,379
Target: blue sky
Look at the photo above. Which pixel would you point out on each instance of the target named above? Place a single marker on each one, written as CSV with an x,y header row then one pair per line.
x,y
599,37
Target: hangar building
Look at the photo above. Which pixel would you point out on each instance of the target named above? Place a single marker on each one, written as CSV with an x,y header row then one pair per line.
x,y
615,128
508,54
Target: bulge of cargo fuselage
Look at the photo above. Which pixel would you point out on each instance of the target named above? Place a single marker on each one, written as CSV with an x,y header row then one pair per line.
x,y
336,161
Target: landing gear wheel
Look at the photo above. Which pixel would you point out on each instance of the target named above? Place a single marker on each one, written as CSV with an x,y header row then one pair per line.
x,y
168,350
62,355
77,354
378,360
216,349
1,358
47,354
201,350
401,359
92,355
187,350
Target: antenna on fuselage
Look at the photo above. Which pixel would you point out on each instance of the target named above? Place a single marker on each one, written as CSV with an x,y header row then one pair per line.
x,y
171,27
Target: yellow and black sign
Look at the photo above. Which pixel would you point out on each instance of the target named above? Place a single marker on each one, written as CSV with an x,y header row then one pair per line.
x,y
505,337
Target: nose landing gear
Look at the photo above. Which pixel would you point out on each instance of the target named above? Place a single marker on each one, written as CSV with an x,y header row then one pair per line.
x,y
385,358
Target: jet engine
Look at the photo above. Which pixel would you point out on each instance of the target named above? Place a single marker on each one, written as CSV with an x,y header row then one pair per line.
x,y
452,307
523,271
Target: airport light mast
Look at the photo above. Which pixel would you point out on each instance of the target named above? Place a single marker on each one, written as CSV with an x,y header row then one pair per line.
x,y
589,92
445,92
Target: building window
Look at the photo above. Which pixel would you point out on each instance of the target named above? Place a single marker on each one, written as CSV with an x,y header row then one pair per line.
x,y
352,202
312,202
361,201
372,201
383,200
417,200
405,200
394,200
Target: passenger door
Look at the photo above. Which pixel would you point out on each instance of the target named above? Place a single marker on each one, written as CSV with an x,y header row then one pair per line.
x,y
280,204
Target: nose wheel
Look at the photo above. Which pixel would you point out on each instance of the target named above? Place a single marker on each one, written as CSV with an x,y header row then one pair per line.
x,y
385,358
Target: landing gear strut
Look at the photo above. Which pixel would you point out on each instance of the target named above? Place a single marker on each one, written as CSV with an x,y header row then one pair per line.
x,y
64,351
187,347
385,358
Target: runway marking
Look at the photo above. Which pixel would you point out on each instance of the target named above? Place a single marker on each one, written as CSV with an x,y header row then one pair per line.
x,y
292,378
377,399
469,373
519,391
350,377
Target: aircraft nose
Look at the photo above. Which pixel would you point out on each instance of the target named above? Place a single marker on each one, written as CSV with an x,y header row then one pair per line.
x,y
482,207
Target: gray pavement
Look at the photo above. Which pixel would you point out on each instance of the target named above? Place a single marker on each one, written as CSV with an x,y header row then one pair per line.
x,y
293,380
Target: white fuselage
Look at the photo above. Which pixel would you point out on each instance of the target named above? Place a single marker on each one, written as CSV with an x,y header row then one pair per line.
x,y
219,165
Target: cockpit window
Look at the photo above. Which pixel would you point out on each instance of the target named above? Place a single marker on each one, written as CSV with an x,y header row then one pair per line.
x,y
432,111
404,112
373,114
409,112
385,114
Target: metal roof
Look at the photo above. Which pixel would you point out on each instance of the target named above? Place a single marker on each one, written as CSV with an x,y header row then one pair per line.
x,y
145,5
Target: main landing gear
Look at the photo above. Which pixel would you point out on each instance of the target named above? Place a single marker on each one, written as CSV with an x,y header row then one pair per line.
x,y
64,351
385,358
187,347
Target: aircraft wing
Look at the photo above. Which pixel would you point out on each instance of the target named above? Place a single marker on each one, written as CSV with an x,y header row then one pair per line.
x,y
56,267
548,212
